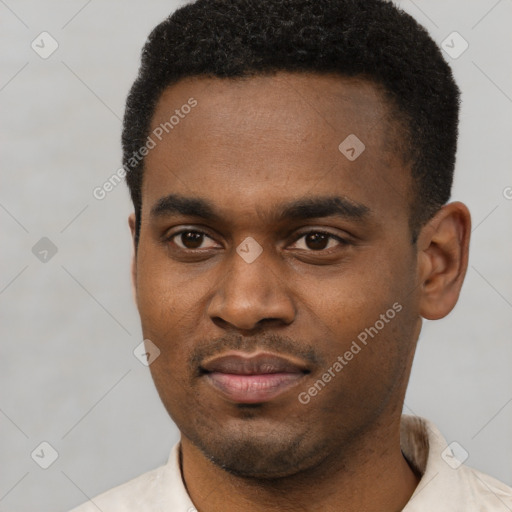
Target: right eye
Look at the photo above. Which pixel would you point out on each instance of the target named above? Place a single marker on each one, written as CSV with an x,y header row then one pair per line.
x,y
190,240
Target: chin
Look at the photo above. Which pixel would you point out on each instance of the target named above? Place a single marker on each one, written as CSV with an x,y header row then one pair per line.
x,y
266,455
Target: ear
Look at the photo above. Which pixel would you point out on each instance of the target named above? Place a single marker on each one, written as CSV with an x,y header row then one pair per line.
x,y
132,224
443,251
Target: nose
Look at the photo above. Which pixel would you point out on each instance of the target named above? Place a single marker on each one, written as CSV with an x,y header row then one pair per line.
x,y
250,294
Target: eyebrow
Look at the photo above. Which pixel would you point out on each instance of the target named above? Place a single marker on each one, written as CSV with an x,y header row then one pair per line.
x,y
300,209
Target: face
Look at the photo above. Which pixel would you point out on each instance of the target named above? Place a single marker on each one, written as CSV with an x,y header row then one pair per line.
x,y
275,271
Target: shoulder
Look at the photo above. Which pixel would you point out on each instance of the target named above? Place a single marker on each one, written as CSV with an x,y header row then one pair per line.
x,y
137,494
159,490
446,483
486,490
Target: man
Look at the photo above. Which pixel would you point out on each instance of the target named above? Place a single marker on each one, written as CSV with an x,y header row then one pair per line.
x,y
290,163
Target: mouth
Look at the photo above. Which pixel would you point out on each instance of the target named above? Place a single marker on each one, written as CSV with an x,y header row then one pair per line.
x,y
253,378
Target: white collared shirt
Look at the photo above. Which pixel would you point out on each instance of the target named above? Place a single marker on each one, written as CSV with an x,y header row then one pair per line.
x,y
446,485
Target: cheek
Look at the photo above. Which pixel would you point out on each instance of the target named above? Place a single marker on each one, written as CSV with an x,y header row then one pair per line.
x,y
353,298
161,295
171,305
363,315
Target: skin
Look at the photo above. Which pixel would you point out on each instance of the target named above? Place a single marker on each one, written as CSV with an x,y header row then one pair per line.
x,y
251,147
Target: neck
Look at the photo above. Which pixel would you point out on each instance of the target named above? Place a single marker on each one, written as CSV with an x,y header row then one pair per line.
x,y
371,474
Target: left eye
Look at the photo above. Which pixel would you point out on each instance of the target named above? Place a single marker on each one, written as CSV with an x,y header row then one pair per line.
x,y
318,241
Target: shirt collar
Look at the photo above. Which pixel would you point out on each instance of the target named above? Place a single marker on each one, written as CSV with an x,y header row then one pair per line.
x,y
445,486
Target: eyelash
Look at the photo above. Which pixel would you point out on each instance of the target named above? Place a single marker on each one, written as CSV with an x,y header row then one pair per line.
x,y
342,241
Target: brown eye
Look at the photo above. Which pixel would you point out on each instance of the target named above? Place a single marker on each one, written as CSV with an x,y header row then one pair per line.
x,y
318,241
191,240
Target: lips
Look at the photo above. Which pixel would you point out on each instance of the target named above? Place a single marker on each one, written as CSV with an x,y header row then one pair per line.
x,y
253,378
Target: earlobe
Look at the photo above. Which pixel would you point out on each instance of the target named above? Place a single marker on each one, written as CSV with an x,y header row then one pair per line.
x,y
132,224
443,250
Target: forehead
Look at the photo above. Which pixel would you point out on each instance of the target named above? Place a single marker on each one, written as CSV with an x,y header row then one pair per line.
x,y
257,140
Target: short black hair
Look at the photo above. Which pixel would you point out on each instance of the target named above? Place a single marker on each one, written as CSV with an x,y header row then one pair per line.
x,y
370,39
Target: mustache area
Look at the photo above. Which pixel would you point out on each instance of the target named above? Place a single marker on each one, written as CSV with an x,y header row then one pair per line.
x,y
277,344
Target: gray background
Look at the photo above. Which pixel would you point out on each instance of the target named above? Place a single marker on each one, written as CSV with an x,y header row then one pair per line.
x,y
69,325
